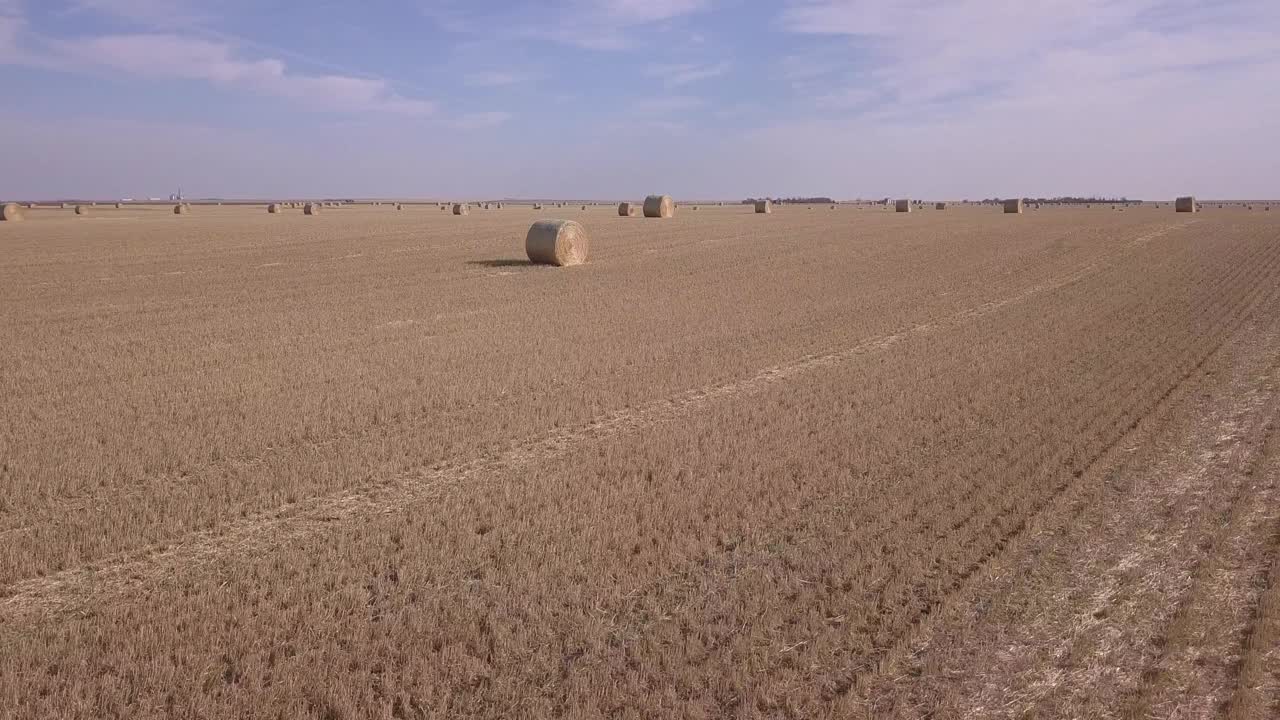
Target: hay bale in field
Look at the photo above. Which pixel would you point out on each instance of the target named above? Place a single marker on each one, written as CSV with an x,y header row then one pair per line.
x,y
833,207
82,210
274,208
626,209
461,209
65,206
764,207
1013,207
940,206
10,212
119,206
556,242
584,207
659,206
399,206
536,206
311,209
181,209
903,206
1185,204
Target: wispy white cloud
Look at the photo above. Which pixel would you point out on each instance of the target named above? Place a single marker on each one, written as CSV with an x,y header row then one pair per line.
x,y
589,24
180,57
684,74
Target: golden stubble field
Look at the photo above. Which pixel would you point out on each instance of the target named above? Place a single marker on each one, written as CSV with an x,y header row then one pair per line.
x,y
819,463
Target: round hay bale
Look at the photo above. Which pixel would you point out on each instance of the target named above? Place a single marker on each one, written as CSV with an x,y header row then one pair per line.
x,y
181,209
584,207
764,207
461,209
556,242
902,206
31,206
311,209
1014,207
537,206
10,212
659,206
273,208
119,206
82,210
626,209
65,206
399,206
940,206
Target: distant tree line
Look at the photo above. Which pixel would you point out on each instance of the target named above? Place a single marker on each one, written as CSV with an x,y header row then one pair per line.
x,y
793,200
1067,200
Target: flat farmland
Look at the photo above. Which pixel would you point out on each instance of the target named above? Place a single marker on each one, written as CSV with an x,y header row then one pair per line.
x,y
818,463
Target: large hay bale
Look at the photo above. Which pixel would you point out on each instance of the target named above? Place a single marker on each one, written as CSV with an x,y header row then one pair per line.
x,y
1185,204
903,206
461,209
273,208
311,209
1013,207
181,209
940,206
626,209
659,206
536,206
556,242
10,212
764,206
119,206
399,206
82,210
65,206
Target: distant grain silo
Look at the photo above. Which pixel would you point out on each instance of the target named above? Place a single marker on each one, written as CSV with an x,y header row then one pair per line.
x,y
311,209
10,213
556,242
1013,207
461,209
274,208
764,207
659,206
626,209
903,206
940,206
1185,204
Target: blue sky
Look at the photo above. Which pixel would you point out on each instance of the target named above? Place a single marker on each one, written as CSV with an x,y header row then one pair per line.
x,y
618,98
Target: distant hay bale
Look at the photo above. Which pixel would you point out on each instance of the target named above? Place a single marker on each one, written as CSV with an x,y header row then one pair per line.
x,y
31,206
764,207
1185,204
82,210
903,206
461,209
556,242
10,212
1013,207
399,206
536,206
181,209
119,206
65,206
626,209
940,206
659,206
695,207
833,207
273,208
311,209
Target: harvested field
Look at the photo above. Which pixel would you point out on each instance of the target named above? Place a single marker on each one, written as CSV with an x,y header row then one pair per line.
x,y
843,464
